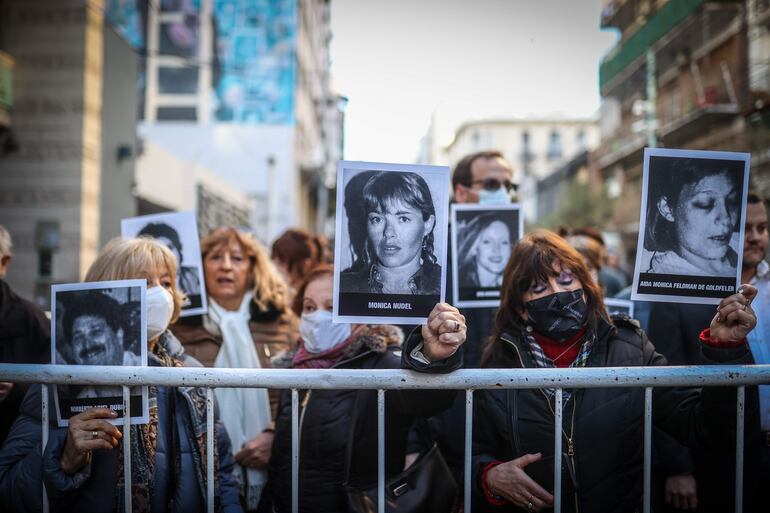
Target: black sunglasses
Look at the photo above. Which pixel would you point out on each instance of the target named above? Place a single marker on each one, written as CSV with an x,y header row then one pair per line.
x,y
492,184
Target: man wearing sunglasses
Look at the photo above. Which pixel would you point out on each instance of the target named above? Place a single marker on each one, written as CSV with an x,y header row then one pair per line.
x,y
484,177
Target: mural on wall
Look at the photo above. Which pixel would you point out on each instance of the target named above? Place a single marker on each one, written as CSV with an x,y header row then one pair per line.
x,y
252,61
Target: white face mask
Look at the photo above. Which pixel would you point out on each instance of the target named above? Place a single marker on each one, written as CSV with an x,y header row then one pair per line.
x,y
160,308
319,333
496,197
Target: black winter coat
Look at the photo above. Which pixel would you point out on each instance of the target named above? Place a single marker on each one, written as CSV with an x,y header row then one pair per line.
x,y
324,428
608,423
25,337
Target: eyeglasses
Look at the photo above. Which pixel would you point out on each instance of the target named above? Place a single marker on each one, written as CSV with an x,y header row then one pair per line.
x,y
492,184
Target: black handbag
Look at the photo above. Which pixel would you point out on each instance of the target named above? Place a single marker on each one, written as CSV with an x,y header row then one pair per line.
x,y
426,486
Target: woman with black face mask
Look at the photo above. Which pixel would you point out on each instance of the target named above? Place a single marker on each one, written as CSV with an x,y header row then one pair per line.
x,y
552,315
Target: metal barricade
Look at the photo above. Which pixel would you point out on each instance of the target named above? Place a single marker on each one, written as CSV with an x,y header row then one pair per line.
x,y
382,380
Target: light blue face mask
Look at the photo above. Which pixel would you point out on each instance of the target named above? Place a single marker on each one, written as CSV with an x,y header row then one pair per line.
x,y
496,197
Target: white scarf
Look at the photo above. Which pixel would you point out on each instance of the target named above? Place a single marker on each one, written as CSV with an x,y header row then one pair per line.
x,y
244,411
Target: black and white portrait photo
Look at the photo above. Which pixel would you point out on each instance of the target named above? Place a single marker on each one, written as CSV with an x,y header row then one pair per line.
x,y
391,237
178,231
691,225
99,323
483,237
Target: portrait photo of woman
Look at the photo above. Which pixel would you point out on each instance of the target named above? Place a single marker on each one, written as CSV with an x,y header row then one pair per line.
x,y
691,225
392,244
483,239
692,217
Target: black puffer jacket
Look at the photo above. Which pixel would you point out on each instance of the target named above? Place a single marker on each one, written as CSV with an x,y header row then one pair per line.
x,y
608,423
325,421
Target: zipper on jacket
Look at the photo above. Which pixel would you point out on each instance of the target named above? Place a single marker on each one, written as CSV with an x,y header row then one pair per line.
x,y
571,438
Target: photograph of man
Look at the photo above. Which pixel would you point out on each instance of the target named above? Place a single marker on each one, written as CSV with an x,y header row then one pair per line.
x,y
392,225
94,333
484,247
693,214
187,278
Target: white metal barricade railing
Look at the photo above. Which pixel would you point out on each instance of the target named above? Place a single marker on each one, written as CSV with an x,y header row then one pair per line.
x,y
382,380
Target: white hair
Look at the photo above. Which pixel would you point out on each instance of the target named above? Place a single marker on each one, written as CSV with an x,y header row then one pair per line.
x,y
5,241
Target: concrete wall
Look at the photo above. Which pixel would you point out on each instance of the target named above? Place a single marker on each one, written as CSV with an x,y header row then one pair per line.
x,y
54,177
119,118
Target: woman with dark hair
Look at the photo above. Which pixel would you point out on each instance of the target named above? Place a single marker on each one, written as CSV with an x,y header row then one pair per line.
x,y
392,236
552,315
693,210
484,248
296,252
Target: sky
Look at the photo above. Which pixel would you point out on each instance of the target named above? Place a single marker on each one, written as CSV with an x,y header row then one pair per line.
x,y
401,62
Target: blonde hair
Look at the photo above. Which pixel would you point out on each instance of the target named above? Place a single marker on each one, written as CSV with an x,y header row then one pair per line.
x,y
267,284
125,259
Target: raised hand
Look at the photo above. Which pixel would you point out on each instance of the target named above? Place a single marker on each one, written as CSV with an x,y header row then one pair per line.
x,y
444,332
734,318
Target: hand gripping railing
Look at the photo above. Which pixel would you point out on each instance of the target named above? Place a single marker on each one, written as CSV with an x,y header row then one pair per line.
x,y
381,380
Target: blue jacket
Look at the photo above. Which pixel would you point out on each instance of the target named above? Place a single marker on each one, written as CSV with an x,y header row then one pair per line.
x,y
93,488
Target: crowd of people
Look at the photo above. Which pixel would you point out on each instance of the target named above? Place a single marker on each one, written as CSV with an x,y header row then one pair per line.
x,y
273,309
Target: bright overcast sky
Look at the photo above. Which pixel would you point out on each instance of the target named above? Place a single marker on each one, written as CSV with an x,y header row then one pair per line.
x,y
399,61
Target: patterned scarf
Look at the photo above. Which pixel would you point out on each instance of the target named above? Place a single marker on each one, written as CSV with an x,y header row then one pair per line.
x,y
543,362
144,443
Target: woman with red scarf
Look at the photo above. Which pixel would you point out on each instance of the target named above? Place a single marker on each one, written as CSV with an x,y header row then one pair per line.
x,y
552,315
328,416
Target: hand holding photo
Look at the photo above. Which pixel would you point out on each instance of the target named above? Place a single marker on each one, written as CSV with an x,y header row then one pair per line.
x,y
691,227
391,226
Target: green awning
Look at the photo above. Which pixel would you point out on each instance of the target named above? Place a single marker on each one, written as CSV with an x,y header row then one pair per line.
x,y
663,21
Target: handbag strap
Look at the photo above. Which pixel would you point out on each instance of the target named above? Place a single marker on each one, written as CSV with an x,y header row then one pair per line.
x,y
421,426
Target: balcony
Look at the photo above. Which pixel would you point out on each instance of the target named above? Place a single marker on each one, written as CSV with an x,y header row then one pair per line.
x,y
682,28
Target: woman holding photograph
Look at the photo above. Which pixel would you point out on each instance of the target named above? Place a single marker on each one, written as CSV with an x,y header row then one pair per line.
x,y
82,465
693,212
248,324
484,248
552,316
328,416
395,253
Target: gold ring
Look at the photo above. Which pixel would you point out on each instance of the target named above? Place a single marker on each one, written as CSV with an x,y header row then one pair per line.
x,y
94,435
457,325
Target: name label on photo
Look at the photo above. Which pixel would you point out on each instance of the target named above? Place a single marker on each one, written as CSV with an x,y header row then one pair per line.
x,y
680,285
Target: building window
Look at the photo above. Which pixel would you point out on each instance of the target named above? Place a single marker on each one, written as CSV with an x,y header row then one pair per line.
x,y
526,150
554,146
177,114
581,141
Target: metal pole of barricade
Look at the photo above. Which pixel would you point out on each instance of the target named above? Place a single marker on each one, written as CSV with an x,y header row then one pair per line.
x,y
739,426
294,450
557,408
210,449
468,448
647,447
127,448
45,421
381,451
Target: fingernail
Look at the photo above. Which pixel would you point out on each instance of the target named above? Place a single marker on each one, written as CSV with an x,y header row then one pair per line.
x,y
113,414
